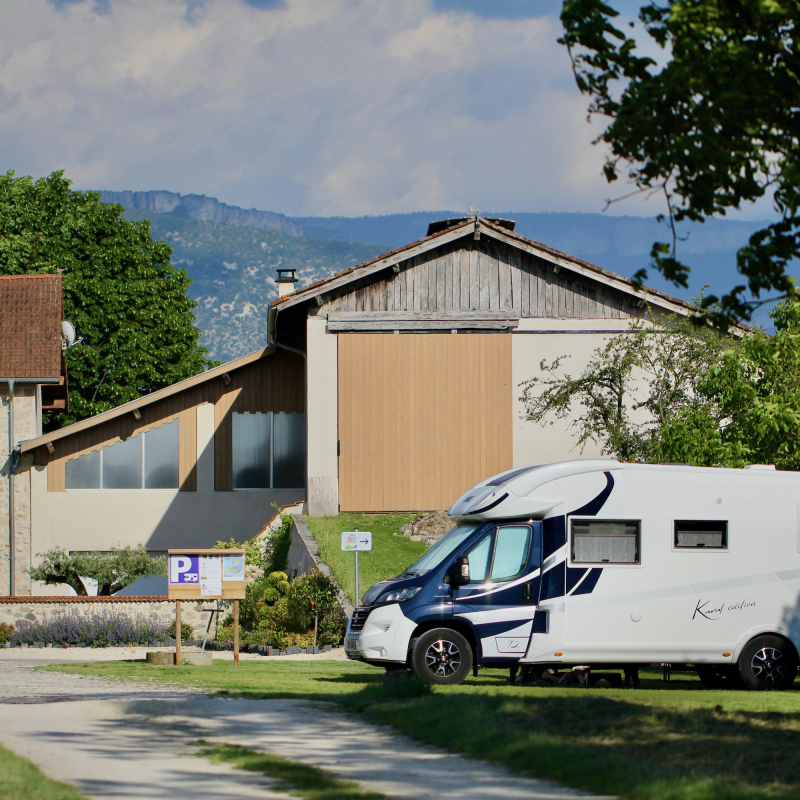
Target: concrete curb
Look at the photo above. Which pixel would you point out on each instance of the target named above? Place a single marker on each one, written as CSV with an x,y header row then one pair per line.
x,y
305,552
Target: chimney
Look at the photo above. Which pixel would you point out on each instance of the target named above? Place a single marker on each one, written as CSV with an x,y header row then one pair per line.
x,y
286,281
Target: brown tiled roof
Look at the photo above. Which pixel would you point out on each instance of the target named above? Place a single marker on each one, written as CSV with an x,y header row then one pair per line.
x,y
30,326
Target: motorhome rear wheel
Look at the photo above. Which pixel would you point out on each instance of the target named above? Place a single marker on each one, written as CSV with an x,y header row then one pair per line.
x,y
768,662
441,655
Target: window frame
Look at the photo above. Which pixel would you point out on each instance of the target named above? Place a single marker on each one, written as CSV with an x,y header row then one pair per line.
x,y
492,534
684,549
603,564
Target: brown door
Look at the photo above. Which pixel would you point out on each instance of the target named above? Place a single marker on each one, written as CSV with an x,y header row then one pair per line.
x,y
422,417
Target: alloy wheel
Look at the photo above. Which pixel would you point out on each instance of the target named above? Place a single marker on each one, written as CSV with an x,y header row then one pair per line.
x,y
442,658
769,665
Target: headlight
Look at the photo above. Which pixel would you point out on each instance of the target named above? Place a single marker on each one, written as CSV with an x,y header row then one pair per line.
x,y
400,595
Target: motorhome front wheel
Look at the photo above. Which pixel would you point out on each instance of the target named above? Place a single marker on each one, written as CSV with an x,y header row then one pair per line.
x,y
441,655
768,662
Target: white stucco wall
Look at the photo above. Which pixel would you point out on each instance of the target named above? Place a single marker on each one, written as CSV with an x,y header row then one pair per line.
x,y
548,339
322,415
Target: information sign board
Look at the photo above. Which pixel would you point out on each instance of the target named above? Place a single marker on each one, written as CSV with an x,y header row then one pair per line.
x,y
206,574
356,540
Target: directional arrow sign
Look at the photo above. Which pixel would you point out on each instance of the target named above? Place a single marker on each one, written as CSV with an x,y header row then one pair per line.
x,y
356,540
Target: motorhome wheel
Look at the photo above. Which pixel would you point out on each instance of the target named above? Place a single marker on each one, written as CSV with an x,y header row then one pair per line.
x,y
441,655
767,662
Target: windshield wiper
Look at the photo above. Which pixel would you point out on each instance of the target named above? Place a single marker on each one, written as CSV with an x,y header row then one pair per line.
x,y
409,573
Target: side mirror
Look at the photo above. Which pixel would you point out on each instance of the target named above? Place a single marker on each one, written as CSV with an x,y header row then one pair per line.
x,y
459,572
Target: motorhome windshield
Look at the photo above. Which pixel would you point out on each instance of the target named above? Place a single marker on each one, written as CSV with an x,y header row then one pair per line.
x,y
441,550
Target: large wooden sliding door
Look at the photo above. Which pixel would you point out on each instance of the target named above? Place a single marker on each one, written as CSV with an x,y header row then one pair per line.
x,y
422,417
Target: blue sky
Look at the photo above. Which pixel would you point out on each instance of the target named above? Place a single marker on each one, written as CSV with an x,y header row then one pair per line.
x,y
309,107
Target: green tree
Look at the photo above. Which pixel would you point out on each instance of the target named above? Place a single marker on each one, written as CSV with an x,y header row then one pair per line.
x,y
122,294
113,570
633,388
712,127
684,394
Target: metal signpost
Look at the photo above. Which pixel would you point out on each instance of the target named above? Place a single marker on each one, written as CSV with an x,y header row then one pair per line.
x,y
356,541
206,575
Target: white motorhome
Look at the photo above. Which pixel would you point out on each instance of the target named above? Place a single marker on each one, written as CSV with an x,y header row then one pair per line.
x,y
600,563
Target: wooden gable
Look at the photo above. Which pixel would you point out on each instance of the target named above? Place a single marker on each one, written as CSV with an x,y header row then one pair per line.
x,y
483,275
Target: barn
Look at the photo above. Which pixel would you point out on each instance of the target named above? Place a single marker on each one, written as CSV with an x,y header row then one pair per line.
x,y
391,386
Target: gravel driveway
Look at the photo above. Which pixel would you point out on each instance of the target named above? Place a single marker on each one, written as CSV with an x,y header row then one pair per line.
x,y
133,739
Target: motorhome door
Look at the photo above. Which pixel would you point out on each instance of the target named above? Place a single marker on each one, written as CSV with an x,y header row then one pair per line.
x,y
500,600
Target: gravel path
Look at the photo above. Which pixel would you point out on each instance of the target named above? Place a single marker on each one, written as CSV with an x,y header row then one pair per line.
x,y
132,739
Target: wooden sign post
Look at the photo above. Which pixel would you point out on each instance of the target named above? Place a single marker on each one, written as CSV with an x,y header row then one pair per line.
x,y
207,575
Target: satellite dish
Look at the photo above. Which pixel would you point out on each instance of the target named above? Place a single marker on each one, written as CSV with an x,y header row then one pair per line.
x,y
68,332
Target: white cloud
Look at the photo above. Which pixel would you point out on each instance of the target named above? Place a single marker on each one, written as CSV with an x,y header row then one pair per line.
x,y
306,107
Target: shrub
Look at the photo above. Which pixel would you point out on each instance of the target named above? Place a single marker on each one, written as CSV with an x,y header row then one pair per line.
x,y
99,629
6,630
187,631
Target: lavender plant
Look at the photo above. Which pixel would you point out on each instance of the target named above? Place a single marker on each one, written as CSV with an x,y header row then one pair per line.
x,y
105,628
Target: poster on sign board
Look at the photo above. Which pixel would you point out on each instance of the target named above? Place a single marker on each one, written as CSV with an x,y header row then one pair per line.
x,y
210,576
232,568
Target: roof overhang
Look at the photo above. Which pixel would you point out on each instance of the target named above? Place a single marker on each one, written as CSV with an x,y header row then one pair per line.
x,y
478,227
141,402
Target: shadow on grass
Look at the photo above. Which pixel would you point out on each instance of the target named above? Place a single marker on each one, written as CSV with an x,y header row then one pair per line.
x,y
292,777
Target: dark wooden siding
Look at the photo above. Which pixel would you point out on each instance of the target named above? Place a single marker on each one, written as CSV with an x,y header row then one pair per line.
x,y
275,383
483,275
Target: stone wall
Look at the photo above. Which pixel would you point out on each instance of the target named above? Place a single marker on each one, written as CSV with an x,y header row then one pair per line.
x,y
14,609
24,428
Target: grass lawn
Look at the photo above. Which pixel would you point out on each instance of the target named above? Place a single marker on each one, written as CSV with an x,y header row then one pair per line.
x,y
21,780
389,556
675,741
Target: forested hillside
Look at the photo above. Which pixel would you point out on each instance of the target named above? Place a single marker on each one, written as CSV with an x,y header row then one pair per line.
x,y
234,270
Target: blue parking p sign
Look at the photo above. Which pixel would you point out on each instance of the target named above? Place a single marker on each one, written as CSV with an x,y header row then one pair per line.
x,y
184,569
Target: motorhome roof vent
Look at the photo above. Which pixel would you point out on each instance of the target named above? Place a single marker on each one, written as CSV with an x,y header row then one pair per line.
x,y
760,466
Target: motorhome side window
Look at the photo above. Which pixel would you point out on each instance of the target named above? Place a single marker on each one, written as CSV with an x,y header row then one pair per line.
x,y
500,555
605,541
708,534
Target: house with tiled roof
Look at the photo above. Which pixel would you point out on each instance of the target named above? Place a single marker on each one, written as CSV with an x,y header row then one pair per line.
x,y
33,381
391,386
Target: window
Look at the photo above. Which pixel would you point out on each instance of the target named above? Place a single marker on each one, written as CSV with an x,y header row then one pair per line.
x,y
479,559
709,534
505,560
147,461
605,542
510,552
269,450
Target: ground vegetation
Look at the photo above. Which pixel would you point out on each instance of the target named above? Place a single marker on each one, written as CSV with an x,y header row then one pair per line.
x,y
667,741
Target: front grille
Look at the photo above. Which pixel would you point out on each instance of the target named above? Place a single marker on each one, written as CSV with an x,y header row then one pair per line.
x,y
359,618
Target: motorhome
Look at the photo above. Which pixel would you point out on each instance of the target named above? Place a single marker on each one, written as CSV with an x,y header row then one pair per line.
x,y
598,563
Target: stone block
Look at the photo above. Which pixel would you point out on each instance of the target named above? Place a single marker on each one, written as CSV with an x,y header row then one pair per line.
x,y
38,644
160,659
328,648
312,651
196,659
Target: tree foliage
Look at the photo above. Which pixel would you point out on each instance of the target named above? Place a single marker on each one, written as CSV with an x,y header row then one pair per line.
x,y
714,127
113,571
682,393
122,294
632,388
